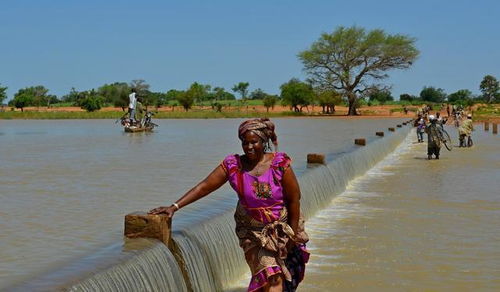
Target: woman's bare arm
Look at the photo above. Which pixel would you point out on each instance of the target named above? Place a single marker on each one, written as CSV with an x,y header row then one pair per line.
x,y
211,183
292,198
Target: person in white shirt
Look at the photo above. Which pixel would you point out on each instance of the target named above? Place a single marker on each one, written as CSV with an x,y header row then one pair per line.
x,y
132,105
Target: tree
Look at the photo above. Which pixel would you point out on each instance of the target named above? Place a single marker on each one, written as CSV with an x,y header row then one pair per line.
x,y
258,94
219,93
116,94
242,89
186,99
3,94
381,96
23,98
407,97
432,94
269,101
328,99
72,96
460,95
140,86
172,94
351,60
91,101
198,91
156,99
296,93
34,95
490,88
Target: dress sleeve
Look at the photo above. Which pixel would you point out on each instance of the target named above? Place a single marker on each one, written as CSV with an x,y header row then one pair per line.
x,y
281,163
230,164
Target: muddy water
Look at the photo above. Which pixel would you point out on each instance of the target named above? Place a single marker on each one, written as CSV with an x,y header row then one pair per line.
x,y
411,224
66,185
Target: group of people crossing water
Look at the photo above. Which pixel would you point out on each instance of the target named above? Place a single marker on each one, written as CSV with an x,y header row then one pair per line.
x,y
433,126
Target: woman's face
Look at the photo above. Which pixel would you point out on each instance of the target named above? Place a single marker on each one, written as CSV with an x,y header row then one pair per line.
x,y
252,145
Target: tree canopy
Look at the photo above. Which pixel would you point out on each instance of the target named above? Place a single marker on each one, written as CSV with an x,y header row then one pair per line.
x,y
490,88
381,96
460,95
351,60
3,94
296,94
242,89
432,94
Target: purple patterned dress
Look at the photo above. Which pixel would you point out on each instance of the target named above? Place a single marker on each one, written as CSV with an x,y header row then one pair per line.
x,y
261,224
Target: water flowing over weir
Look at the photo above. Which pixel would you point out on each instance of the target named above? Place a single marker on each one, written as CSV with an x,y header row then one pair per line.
x,y
206,255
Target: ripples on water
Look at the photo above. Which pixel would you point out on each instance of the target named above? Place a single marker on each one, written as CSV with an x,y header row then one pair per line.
x,y
413,224
66,185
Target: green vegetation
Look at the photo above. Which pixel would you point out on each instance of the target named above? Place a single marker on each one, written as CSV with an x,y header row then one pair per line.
x,y
3,94
194,114
350,58
484,113
297,94
490,88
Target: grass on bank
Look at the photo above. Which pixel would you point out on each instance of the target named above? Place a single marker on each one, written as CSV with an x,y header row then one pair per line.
x,y
35,115
484,113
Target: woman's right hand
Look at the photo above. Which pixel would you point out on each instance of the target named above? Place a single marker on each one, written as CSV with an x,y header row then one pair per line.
x,y
169,211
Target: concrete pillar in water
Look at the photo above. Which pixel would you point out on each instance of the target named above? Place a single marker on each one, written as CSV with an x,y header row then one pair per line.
x,y
360,141
316,158
141,224
392,129
495,128
486,126
380,134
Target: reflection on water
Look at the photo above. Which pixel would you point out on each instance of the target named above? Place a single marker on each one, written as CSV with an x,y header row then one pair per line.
x,y
65,189
411,224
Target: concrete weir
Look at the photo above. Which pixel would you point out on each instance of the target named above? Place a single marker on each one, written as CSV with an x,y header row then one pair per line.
x,y
204,256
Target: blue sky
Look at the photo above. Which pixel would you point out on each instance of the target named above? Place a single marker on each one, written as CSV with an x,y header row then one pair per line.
x,y
84,44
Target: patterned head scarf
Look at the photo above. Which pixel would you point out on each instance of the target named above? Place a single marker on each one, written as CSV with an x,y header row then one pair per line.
x,y
263,128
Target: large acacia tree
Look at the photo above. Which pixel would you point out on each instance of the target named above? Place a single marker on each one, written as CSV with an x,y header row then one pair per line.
x,y
352,60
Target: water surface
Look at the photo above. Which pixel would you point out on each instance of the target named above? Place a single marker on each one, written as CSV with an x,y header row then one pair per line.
x,y
65,185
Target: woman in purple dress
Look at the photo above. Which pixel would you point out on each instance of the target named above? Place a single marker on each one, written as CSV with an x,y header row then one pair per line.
x,y
269,226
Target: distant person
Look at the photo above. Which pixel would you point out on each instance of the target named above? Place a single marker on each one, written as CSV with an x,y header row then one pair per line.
x,y
440,120
132,106
405,109
420,125
465,131
434,136
448,110
268,222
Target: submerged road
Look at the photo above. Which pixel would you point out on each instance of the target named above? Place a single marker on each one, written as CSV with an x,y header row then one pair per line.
x,y
410,224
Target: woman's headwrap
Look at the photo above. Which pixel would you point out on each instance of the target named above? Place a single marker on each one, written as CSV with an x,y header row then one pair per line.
x,y
263,128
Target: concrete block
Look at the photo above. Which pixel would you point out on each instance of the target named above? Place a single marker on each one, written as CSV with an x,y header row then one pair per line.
x,y
316,158
141,224
360,141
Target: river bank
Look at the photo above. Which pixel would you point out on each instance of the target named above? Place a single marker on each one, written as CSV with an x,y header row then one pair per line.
x,y
480,112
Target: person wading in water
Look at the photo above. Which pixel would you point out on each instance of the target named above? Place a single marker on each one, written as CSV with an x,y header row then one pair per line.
x,y
269,226
434,136
465,131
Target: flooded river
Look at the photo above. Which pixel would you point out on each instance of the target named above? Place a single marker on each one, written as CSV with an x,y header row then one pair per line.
x,y
411,224
65,185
